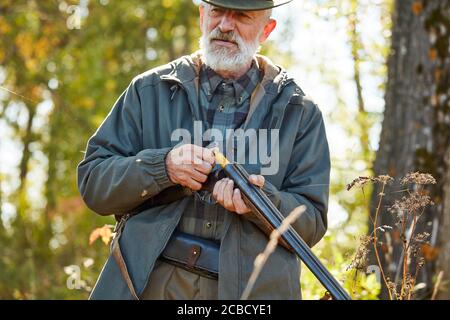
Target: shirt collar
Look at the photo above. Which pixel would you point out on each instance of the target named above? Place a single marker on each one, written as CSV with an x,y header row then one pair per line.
x,y
243,86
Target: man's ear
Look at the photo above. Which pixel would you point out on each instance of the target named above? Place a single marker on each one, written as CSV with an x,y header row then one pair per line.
x,y
268,28
202,12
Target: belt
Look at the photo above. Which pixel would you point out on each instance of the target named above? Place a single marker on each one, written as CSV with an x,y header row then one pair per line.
x,y
194,254
197,255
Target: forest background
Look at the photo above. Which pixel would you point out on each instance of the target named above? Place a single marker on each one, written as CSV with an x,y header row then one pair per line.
x,y
378,69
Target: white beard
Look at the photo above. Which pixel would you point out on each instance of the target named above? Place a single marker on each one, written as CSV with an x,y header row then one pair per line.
x,y
220,58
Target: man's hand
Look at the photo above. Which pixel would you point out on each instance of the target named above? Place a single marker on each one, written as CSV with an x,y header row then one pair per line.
x,y
230,198
189,165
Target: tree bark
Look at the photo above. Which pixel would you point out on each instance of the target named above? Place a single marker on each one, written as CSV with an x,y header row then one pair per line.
x,y
443,263
416,126
26,153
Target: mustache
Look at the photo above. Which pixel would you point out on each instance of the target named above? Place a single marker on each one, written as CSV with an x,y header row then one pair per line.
x,y
230,36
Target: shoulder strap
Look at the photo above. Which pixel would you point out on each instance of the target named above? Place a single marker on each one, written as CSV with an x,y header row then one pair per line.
x,y
117,254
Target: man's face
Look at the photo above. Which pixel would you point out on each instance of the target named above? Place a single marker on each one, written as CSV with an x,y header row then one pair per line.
x,y
231,38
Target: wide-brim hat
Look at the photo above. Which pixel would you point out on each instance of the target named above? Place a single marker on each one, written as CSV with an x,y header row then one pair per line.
x,y
247,5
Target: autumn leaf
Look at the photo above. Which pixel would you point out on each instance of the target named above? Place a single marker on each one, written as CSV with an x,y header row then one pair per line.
x,y
429,252
384,248
104,233
417,7
4,26
326,296
395,234
437,75
434,100
24,43
433,54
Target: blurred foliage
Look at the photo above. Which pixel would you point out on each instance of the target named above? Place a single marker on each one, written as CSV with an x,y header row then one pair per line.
x,y
358,122
62,66
337,259
64,63
68,61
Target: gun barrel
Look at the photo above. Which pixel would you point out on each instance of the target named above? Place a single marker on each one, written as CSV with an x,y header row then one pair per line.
x,y
267,209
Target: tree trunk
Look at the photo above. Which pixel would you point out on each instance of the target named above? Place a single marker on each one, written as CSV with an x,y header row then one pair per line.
x,y
416,126
26,153
443,263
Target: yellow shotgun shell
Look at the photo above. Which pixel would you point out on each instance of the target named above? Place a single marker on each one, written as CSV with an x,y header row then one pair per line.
x,y
220,158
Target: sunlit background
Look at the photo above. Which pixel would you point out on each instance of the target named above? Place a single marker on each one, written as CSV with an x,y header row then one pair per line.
x,y
63,64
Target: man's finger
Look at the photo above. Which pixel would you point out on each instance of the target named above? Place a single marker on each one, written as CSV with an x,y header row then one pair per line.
x,y
257,180
198,176
221,185
204,154
203,167
216,190
194,185
239,203
208,156
228,195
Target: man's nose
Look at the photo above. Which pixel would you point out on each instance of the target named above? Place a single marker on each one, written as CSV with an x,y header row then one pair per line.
x,y
227,23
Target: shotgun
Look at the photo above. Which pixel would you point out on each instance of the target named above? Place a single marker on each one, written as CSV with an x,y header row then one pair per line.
x,y
266,211
267,216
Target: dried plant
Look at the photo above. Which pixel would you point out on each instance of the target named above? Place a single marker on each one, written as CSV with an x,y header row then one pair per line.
x,y
359,262
437,285
362,181
418,179
407,212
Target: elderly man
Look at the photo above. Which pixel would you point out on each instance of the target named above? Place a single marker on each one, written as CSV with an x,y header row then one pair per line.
x,y
177,238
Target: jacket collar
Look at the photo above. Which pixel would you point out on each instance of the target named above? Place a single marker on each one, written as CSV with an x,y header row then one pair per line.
x,y
185,72
187,68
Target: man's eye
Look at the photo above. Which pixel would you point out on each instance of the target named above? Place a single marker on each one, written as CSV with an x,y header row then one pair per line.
x,y
216,11
244,16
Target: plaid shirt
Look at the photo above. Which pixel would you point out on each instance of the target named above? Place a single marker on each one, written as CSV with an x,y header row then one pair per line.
x,y
225,105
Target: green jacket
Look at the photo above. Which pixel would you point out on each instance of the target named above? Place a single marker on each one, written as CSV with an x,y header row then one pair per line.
x,y
124,166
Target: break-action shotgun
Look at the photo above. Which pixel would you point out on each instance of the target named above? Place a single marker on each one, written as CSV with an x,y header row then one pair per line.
x,y
266,211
